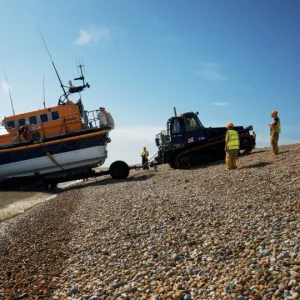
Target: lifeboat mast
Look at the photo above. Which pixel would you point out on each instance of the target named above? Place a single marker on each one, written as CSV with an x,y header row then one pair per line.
x,y
72,89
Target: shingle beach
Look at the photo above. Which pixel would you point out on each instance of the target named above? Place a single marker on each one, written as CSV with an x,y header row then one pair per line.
x,y
204,233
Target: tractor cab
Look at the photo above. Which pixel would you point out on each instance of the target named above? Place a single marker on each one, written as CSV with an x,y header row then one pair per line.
x,y
186,142
185,129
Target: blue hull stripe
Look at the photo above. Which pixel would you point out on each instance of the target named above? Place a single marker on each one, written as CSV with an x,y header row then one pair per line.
x,y
55,148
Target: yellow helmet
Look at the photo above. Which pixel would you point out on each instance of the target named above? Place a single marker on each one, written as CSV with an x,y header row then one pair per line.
x,y
274,112
229,125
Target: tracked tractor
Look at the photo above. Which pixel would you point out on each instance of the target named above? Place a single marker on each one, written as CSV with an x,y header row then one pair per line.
x,y
186,142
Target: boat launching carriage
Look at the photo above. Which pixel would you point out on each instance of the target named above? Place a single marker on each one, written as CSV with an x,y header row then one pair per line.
x,y
56,144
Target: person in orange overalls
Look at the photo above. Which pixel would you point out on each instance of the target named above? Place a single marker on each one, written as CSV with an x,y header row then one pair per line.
x,y
275,129
25,132
145,159
254,139
232,144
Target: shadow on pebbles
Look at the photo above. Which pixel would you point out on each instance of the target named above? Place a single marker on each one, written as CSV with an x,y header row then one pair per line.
x,y
204,233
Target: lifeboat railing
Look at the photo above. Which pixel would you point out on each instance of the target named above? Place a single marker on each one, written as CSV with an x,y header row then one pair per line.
x,y
88,118
92,118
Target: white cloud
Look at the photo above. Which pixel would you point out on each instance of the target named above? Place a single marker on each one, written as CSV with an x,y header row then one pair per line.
x,y
211,72
5,87
93,35
221,103
127,143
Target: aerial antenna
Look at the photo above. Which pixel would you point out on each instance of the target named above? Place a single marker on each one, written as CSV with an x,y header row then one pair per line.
x,y
44,92
83,65
80,67
77,64
63,88
11,102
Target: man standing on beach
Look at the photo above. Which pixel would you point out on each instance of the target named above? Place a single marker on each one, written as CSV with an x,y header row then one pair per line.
x,y
254,138
275,129
145,156
232,146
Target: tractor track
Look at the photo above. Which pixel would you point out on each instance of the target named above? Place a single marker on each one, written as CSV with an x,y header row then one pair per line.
x,y
210,143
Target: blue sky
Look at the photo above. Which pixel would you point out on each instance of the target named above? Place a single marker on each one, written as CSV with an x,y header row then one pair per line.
x,y
230,60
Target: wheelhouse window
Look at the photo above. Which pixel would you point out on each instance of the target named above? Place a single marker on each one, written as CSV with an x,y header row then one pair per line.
x,y
10,125
44,118
55,115
191,123
21,122
33,120
176,126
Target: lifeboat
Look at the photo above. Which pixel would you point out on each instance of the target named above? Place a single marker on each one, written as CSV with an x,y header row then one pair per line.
x,y
53,142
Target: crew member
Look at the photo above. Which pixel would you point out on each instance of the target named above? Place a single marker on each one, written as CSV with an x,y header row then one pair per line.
x,y
275,129
102,119
24,130
254,138
83,113
145,156
109,118
232,143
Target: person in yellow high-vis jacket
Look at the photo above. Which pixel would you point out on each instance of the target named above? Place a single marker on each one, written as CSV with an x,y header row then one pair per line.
x,y
232,143
275,129
145,157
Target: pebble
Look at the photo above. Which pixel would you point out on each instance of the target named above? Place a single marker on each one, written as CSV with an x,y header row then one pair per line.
x,y
201,233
